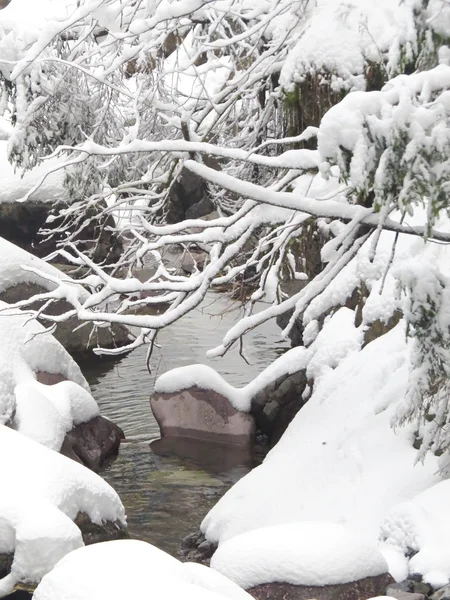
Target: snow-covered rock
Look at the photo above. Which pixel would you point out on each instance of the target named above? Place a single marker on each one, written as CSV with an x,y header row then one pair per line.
x,y
308,553
42,494
62,416
131,568
28,349
203,414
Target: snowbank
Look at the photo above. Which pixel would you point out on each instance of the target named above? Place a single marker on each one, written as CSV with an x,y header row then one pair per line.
x,y
131,568
309,553
350,466
42,493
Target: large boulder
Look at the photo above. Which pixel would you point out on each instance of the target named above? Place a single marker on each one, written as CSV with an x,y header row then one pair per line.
x,y
189,198
202,414
75,339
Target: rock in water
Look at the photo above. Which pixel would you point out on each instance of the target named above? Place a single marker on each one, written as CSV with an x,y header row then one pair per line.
x,y
93,442
202,414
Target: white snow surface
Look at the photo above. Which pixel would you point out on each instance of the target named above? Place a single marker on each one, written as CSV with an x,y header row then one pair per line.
x,y
42,493
340,39
127,568
308,553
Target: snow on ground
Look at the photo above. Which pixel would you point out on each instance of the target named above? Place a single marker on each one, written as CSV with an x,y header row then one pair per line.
x,y
131,568
340,460
42,492
308,553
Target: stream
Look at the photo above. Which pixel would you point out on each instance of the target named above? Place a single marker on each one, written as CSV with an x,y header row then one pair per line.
x,y
167,488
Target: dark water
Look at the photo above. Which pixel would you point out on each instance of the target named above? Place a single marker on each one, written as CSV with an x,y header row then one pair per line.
x,y
168,489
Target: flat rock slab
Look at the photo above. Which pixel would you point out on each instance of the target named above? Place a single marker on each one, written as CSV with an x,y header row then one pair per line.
x,y
356,590
202,414
94,442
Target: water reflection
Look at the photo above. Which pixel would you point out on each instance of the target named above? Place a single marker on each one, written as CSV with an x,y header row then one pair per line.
x,y
169,487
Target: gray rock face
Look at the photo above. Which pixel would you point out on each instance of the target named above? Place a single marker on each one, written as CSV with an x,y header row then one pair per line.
x,y
202,414
442,594
94,442
81,340
356,590
276,406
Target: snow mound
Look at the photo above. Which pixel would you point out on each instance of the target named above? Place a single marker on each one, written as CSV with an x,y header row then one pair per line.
x,y
43,412
131,568
343,445
309,553
42,493
422,527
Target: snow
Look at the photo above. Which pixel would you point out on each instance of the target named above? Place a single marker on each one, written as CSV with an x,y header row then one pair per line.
x,y
308,553
43,412
341,39
14,264
131,568
350,466
42,493
422,526
27,349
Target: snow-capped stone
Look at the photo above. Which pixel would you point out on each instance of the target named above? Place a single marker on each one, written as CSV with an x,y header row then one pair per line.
x,y
42,494
308,553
